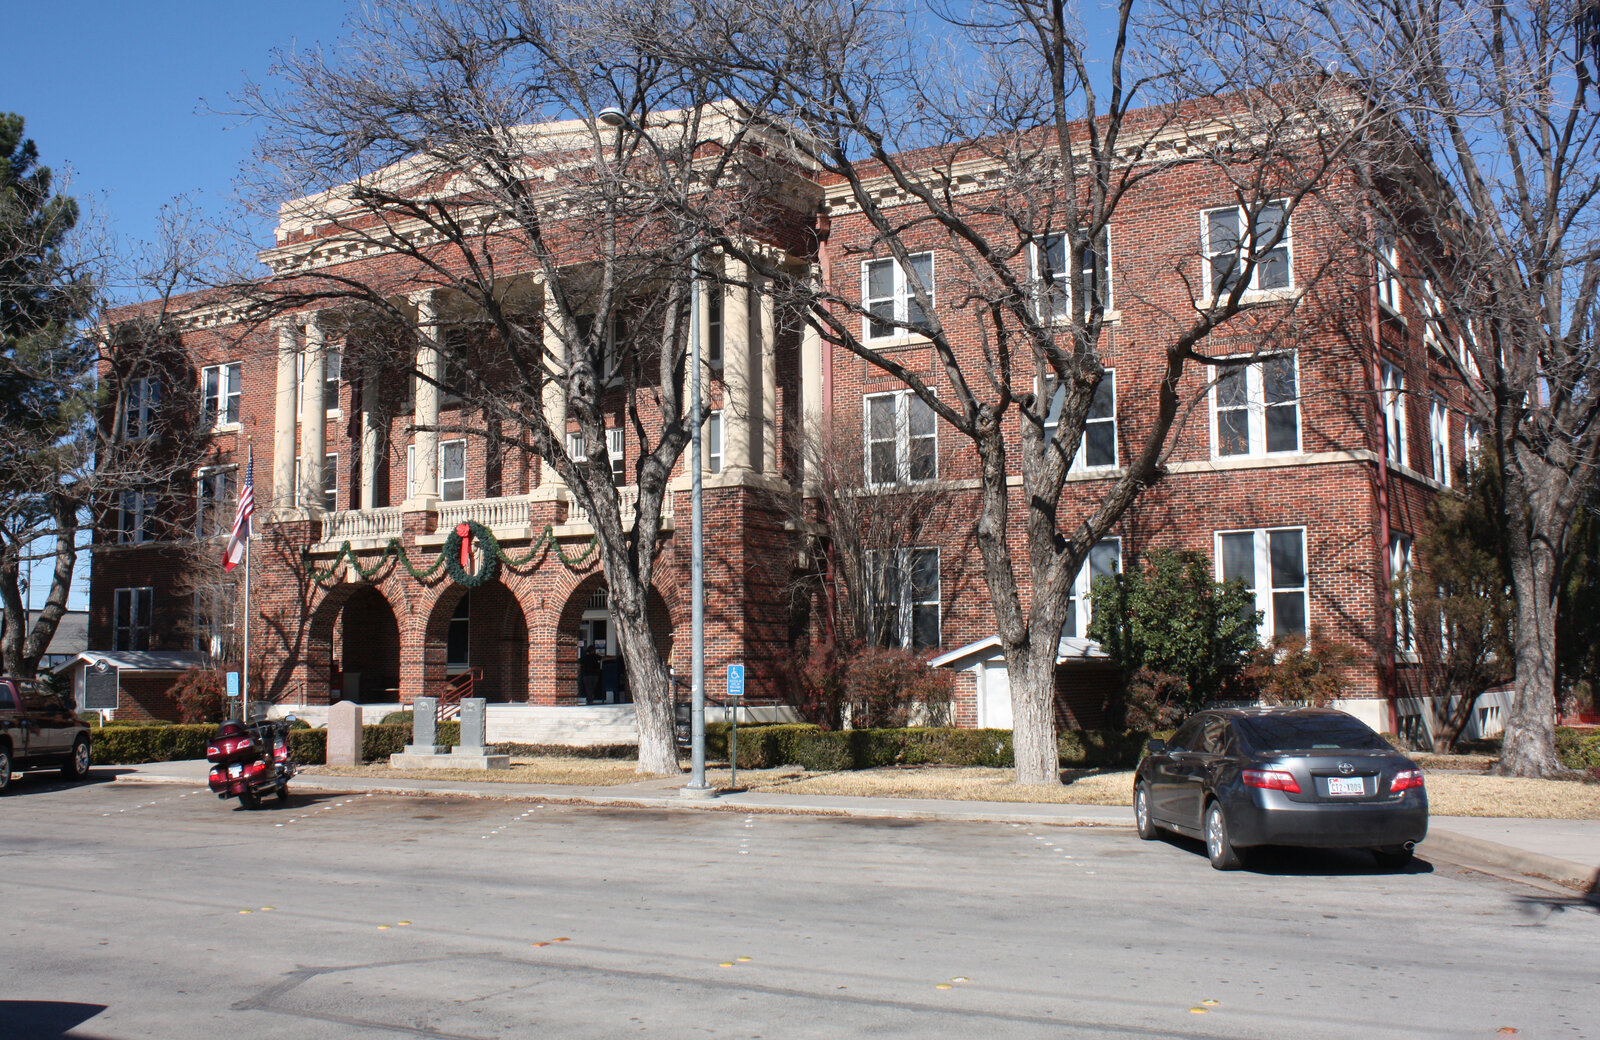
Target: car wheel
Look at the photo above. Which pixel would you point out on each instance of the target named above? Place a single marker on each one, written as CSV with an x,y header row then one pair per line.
x,y
1219,849
1141,812
77,766
5,769
1392,857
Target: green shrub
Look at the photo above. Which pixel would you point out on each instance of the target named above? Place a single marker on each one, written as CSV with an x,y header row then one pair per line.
x,y
624,752
820,750
308,747
1578,749
397,718
129,744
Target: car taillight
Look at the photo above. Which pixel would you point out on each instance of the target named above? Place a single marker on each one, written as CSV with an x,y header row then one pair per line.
x,y
1272,780
1405,780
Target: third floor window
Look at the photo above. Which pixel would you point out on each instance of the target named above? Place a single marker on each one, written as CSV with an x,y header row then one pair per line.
x,y
1231,241
1256,408
220,392
1047,272
889,298
141,398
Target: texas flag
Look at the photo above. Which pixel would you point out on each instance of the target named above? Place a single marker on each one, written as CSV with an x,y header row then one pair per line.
x,y
239,540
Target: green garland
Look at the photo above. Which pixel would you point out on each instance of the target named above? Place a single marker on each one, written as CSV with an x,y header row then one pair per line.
x,y
449,558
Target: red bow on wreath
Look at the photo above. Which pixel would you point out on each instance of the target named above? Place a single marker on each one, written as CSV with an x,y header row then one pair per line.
x,y
464,532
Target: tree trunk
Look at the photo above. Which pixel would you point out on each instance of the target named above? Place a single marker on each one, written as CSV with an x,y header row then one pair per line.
x,y
1032,670
1529,746
651,687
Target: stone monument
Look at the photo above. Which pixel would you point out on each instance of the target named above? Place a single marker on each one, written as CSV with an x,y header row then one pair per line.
x,y
344,734
424,751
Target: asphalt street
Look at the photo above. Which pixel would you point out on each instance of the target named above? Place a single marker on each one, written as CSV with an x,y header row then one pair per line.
x,y
134,911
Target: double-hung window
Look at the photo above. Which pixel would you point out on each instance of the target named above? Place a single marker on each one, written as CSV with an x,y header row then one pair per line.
x,y
578,451
220,392
215,619
1393,399
714,325
136,516
1471,445
1231,240
130,622
141,398
330,480
713,442
1256,408
1439,440
453,470
332,370
1098,449
902,439
889,298
1400,578
215,501
903,589
1052,288
1104,561
1387,258
1272,565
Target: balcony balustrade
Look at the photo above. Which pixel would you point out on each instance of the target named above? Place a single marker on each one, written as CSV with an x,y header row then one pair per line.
x,y
355,525
628,499
493,513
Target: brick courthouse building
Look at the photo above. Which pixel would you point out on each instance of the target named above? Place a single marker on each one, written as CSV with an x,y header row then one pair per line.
x,y
1306,474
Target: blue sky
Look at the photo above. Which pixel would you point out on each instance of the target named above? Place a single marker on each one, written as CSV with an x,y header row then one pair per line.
x,y
120,91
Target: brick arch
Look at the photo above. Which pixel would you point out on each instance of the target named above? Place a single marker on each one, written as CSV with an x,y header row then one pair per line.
x,y
498,643
570,614
324,637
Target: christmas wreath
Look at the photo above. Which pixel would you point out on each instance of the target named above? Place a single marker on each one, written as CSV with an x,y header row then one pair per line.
x,y
457,553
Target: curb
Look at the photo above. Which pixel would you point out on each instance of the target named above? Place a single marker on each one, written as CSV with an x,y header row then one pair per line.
x,y
1478,851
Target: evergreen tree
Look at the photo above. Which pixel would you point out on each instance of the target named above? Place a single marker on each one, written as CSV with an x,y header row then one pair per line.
x,y
46,391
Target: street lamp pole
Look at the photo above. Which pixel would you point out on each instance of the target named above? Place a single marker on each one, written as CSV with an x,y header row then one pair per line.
x,y
697,786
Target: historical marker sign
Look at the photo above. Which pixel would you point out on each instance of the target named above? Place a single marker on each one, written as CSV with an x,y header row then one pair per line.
x,y
101,687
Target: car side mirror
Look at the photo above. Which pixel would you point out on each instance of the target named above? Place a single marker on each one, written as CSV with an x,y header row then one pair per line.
x,y
1156,746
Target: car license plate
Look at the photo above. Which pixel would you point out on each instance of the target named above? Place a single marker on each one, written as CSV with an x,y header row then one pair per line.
x,y
235,769
1346,785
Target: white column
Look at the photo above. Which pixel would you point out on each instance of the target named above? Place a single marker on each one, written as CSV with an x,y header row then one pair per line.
x,y
425,471
370,436
702,303
736,406
556,336
313,418
283,429
769,381
811,393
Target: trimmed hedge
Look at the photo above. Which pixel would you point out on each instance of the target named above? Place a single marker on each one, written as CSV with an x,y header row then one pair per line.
x,y
820,750
127,745
1578,749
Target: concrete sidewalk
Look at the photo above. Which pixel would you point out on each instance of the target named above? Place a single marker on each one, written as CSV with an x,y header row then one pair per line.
x,y
1567,851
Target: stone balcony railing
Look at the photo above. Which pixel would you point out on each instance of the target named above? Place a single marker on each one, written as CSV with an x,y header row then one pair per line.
x,y
356,525
627,499
493,513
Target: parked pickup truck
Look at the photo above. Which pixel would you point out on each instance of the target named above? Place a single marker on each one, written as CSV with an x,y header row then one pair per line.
x,y
37,731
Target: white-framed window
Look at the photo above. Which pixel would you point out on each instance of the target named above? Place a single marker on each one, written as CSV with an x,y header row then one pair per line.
x,y
330,481
1400,576
136,516
215,501
453,470
1471,446
1255,408
1052,289
616,449
888,297
1271,562
1439,440
141,399
1104,561
1230,240
332,370
1098,449
903,589
1393,398
1432,319
713,442
714,325
411,471
221,389
901,437
130,619
1387,260
215,619
611,346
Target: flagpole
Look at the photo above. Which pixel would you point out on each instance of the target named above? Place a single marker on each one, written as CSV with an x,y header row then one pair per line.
x,y
244,676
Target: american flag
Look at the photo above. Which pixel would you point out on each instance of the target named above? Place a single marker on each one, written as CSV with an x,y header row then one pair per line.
x,y
239,540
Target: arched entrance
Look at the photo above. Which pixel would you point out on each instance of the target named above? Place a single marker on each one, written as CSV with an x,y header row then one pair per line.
x,y
595,673
481,633
366,652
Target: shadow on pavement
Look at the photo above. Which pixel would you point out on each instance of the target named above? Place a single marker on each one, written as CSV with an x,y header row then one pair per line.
x,y
43,782
1290,862
45,1019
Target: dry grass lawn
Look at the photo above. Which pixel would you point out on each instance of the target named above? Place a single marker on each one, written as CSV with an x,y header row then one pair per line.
x,y
596,772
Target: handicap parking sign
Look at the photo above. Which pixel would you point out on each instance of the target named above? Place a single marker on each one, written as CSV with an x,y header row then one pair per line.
x,y
736,680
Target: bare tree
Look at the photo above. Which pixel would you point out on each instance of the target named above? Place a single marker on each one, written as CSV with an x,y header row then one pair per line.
x,y
1484,172
562,251
1006,137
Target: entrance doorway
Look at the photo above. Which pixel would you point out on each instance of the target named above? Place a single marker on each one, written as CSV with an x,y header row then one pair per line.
x,y
602,679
